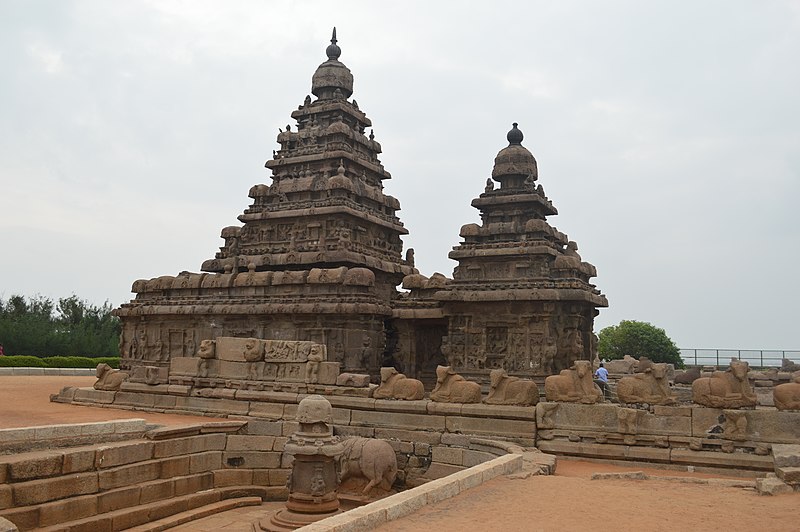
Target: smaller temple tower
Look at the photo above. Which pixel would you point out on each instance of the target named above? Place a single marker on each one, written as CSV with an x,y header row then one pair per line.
x,y
520,297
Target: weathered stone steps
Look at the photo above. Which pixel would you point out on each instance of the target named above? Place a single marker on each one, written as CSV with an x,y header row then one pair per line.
x,y
197,513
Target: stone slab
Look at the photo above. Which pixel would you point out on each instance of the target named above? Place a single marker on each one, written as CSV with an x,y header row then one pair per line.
x,y
491,427
786,455
397,420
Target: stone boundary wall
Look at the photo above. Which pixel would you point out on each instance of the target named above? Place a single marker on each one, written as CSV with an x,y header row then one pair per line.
x,y
8,372
47,436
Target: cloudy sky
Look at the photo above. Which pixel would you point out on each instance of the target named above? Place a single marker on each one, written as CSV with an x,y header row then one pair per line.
x,y
667,135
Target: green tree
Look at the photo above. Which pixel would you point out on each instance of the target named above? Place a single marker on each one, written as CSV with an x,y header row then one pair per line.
x,y
638,339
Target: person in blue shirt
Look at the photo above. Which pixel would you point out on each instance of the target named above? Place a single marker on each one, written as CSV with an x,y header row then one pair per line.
x,y
601,378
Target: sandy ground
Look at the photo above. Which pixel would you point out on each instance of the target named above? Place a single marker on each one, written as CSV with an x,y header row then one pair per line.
x,y
564,502
25,402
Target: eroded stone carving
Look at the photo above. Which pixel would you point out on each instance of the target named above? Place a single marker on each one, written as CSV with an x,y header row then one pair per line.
x,y
626,420
315,357
725,389
651,387
688,376
507,390
370,458
787,396
395,385
206,352
453,388
109,379
574,385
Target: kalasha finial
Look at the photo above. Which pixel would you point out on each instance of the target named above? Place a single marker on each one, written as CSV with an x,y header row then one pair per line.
x,y
515,135
333,51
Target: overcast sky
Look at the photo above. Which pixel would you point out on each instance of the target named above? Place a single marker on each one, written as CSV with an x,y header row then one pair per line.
x,y
667,135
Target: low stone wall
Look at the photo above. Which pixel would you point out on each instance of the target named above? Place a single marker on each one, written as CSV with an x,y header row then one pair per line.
x,y
127,483
87,372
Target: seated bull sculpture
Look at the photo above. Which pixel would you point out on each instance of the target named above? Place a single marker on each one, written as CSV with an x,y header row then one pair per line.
x,y
395,385
370,458
574,385
787,396
109,379
725,389
651,386
453,388
507,390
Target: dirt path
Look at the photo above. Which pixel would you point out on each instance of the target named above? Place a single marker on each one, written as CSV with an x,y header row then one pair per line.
x,y
571,501
25,402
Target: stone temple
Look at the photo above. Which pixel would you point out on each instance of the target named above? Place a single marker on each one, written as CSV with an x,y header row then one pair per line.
x,y
318,257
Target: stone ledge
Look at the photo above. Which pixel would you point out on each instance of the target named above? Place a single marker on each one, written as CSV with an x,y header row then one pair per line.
x,y
404,503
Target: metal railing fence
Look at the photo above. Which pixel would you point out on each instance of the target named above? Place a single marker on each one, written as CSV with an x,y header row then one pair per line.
x,y
757,358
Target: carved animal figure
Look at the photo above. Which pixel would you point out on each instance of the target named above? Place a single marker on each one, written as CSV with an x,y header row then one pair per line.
x,y
253,350
574,385
650,386
787,396
370,458
395,385
688,376
207,349
725,389
507,390
109,379
453,388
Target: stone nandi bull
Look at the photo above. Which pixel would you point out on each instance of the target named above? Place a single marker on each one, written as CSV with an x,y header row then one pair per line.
x,y
787,396
453,388
650,386
574,385
109,379
507,390
395,385
371,459
725,389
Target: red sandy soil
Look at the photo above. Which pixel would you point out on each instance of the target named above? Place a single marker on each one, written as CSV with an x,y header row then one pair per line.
x,y
25,402
569,500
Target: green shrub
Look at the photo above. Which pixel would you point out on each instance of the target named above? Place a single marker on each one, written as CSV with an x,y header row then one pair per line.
x,y
22,361
638,339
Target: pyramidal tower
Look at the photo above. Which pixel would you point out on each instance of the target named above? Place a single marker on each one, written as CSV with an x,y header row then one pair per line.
x,y
317,255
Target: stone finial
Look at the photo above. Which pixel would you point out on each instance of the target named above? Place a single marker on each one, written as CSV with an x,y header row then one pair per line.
x,y
333,51
515,135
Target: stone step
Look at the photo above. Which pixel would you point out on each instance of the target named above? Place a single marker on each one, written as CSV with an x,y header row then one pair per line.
x,y
786,455
144,514
197,513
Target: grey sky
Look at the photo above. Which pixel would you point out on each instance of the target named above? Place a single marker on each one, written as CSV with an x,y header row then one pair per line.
x,y
667,135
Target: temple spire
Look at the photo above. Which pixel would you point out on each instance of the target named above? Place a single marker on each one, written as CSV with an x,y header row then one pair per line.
x,y
333,51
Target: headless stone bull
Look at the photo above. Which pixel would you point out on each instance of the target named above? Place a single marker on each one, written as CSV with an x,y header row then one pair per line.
x,y
369,458
453,388
507,390
395,385
651,386
787,396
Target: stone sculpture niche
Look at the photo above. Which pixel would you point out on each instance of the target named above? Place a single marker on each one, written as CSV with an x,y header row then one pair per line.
x,y
395,385
507,390
109,379
370,459
787,396
725,389
453,388
651,387
574,385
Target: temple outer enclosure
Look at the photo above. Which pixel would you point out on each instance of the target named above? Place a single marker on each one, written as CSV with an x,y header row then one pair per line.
x,y
318,258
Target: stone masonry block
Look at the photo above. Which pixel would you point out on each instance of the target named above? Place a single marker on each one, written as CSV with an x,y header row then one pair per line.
x,y
233,477
457,440
193,483
144,400
278,477
129,475
473,458
122,453
175,466
129,426
491,427
57,432
29,466
156,490
431,438
189,445
397,420
6,497
499,411
78,459
90,395
249,443
786,455
252,459
97,429
257,427
448,455
184,366
790,475
71,509
203,462
229,348
222,406
111,500
273,411
328,371
50,489
24,518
